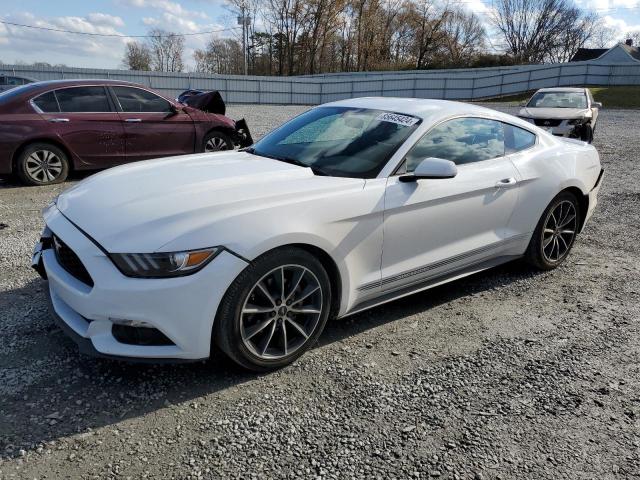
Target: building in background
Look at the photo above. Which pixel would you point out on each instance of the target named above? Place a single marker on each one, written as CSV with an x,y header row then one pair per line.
x,y
620,53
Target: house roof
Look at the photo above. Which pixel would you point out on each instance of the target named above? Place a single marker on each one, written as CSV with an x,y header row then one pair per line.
x,y
633,51
588,54
592,53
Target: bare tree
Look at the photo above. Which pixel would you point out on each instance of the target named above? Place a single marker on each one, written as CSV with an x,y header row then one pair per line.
x,y
533,29
570,40
634,36
222,55
289,37
137,56
426,21
603,36
464,37
166,50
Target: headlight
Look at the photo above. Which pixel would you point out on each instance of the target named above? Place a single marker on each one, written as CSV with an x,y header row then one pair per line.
x,y
162,265
578,121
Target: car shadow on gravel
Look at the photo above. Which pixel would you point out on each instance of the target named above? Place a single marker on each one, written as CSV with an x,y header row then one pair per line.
x,y
54,392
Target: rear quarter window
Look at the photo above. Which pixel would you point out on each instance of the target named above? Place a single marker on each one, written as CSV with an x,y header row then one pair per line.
x,y
47,103
517,139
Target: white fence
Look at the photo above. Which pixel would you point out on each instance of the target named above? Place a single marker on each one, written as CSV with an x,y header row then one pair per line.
x,y
460,84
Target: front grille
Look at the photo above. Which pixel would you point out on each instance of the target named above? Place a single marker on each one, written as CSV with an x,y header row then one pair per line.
x,y
70,261
546,122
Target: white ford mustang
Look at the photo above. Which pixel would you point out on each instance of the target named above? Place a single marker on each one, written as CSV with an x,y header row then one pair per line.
x,y
347,206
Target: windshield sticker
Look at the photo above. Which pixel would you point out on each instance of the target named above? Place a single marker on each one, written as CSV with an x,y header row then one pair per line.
x,y
405,120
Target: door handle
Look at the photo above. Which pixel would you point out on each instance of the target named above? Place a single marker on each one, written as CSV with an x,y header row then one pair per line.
x,y
506,183
133,120
58,120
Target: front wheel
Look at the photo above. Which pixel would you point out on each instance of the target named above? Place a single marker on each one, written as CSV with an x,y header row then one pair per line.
x,y
555,233
42,164
216,141
587,133
275,310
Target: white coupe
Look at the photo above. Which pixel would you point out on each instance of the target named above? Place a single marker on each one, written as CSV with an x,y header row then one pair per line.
x,y
347,206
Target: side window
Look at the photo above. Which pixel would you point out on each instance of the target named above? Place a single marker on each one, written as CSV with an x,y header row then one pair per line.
x,y
462,140
83,99
136,100
47,103
517,139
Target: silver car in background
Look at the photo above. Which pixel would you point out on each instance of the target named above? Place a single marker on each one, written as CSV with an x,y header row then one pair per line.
x,y
563,111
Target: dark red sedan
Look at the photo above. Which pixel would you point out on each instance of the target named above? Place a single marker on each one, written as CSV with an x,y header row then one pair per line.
x,y
48,129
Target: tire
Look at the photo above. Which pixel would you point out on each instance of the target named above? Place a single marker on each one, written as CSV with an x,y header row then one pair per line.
x,y
249,325
587,133
216,141
549,246
42,164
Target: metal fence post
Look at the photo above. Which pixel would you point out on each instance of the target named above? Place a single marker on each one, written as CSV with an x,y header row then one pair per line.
x,y
586,75
559,76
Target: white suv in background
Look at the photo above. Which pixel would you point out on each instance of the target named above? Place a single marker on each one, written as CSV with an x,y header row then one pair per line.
x,y
563,111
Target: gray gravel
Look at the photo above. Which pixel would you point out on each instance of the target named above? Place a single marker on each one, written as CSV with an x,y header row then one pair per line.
x,y
506,374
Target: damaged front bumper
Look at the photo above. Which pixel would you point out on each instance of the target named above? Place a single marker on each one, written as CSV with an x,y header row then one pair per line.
x,y
242,136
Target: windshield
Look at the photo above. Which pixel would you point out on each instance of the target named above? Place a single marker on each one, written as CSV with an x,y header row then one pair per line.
x,y
558,100
339,141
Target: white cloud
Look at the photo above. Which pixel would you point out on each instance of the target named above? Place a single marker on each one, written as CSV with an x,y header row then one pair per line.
x,y
33,45
620,26
167,6
105,19
606,4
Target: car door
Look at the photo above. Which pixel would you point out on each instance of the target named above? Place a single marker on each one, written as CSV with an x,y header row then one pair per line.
x,y
153,126
84,118
435,226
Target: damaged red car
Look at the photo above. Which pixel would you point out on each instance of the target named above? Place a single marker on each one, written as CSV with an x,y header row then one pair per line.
x,y
50,128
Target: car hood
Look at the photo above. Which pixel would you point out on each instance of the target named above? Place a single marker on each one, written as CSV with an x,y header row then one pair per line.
x,y
557,113
141,207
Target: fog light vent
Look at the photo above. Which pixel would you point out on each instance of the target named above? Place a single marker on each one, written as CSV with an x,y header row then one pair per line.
x,y
144,336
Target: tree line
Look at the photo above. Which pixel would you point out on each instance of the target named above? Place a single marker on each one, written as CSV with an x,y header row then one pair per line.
x,y
298,37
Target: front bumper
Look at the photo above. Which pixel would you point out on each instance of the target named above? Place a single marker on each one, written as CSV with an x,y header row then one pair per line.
x,y
593,197
563,129
183,308
242,135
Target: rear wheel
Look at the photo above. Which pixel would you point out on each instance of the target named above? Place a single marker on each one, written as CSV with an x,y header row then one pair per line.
x,y
555,233
216,141
275,310
42,164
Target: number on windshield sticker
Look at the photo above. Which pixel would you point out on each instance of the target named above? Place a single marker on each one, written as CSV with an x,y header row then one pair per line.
x,y
405,120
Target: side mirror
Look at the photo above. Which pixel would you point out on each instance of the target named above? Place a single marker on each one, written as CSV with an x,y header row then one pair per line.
x,y
596,105
523,103
173,110
431,168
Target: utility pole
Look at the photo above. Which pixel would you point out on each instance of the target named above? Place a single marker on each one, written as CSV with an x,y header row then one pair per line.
x,y
245,21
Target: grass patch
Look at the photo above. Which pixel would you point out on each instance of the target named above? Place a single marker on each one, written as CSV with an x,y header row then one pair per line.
x,y
610,97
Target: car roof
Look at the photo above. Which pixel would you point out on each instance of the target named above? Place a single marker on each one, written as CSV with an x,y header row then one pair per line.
x,y
30,90
428,109
87,81
563,89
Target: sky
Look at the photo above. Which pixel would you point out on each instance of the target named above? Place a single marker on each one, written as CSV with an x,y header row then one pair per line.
x,y
136,17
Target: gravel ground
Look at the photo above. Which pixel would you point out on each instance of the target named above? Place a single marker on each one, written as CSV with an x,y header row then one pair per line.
x,y
505,374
